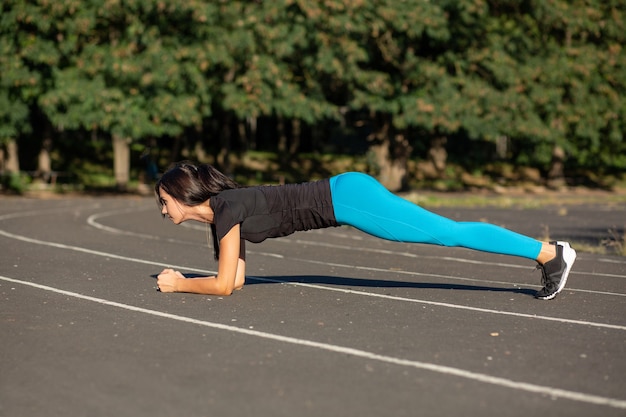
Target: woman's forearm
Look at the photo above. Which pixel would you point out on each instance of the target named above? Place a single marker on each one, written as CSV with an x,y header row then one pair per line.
x,y
230,273
204,285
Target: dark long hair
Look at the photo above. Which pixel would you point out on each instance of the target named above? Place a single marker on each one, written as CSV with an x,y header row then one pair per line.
x,y
193,184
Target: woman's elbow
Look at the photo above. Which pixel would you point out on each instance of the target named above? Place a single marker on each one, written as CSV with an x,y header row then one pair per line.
x,y
224,290
227,292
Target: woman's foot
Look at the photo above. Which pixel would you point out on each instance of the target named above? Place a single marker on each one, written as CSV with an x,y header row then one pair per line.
x,y
554,272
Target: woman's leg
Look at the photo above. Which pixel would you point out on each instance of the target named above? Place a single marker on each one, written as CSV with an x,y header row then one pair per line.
x,y
361,201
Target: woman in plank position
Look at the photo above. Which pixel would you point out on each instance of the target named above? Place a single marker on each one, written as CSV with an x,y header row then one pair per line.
x,y
236,214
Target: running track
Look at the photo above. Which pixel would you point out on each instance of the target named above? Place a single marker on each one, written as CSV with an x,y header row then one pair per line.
x,y
330,322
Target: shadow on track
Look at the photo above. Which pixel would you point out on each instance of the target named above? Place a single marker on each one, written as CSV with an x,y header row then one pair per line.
x,y
367,283
377,283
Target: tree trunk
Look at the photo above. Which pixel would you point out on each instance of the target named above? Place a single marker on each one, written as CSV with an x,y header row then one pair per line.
x,y
242,133
390,155
438,155
199,151
44,161
252,122
223,156
295,136
283,152
556,175
121,162
282,136
175,150
13,161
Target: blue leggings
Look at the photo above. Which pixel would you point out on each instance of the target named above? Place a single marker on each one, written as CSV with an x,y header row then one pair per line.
x,y
362,202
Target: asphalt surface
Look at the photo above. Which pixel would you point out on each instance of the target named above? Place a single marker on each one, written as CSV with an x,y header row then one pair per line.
x,y
330,323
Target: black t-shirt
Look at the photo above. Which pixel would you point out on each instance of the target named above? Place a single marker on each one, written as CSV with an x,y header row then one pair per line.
x,y
273,211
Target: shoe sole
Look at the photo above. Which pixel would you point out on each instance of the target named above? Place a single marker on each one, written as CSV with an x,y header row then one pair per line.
x,y
569,256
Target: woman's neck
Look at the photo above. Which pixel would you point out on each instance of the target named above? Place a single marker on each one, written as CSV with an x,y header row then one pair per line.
x,y
202,212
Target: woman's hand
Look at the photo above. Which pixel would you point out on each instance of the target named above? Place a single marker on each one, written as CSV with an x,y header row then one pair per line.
x,y
167,280
231,271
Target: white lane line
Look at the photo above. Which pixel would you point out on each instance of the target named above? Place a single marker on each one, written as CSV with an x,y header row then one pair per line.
x,y
362,293
446,370
418,256
47,212
92,221
95,252
439,258
97,225
450,277
448,305
612,261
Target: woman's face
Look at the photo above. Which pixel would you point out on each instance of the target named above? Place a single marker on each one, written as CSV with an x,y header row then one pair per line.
x,y
171,208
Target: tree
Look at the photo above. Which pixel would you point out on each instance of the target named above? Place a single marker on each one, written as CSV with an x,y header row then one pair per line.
x,y
549,75
267,73
131,70
400,82
23,61
356,56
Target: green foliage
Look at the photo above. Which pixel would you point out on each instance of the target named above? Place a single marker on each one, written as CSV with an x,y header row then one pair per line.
x,y
17,83
129,69
14,182
13,116
541,73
